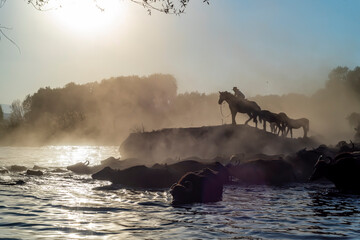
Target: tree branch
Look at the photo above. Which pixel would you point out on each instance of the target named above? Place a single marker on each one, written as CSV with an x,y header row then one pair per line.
x,y
8,38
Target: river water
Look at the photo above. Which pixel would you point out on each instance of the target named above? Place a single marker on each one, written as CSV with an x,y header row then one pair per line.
x,y
69,206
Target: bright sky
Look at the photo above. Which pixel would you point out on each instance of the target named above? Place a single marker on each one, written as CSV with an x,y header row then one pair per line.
x,y
261,46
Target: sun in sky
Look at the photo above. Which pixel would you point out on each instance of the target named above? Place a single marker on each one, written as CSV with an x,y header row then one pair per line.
x,y
88,16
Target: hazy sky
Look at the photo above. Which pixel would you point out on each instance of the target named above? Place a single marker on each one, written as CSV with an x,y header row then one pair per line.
x,y
261,46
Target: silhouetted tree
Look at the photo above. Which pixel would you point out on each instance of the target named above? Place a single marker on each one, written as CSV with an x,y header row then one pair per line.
x,y
17,114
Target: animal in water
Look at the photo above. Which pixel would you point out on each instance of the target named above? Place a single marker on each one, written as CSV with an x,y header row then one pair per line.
x,y
34,172
17,168
17,182
80,168
304,160
137,177
236,159
158,176
343,171
3,171
295,124
343,146
262,172
115,163
236,105
271,118
36,167
202,186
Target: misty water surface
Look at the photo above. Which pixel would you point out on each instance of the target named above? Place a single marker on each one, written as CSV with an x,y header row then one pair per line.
x,y
70,206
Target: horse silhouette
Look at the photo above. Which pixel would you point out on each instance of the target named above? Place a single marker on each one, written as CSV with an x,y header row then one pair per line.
x,y
273,119
295,124
240,105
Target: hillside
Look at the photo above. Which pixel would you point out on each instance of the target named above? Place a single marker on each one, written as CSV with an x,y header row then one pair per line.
x,y
208,142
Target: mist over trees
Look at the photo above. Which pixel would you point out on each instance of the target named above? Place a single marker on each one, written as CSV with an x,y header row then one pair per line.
x,y
106,112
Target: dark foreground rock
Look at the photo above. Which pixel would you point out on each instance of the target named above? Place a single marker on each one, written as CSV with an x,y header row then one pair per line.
x,y
208,142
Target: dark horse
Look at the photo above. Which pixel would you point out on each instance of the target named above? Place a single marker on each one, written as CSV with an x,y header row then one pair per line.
x,y
240,105
295,124
274,120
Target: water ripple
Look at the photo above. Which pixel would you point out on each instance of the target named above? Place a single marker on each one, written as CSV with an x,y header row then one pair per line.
x,y
58,206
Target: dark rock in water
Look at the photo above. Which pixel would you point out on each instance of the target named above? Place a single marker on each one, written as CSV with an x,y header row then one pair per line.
x,y
34,173
267,172
202,186
17,168
208,142
158,176
343,171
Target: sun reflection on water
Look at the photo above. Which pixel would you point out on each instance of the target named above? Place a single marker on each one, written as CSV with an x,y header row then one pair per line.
x,y
56,156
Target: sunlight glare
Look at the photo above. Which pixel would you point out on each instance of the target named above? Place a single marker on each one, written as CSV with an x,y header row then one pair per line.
x,y
88,16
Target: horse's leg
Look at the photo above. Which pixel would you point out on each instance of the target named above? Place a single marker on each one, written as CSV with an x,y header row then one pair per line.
x,y
275,129
250,117
255,120
233,115
305,131
264,126
283,130
291,133
287,132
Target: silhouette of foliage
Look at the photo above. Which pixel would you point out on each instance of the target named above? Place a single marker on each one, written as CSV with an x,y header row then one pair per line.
x,y
17,114
166,6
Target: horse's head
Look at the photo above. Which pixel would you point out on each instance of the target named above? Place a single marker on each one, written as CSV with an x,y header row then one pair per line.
x,y
223,96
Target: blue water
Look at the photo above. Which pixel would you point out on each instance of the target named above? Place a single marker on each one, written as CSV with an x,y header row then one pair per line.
x,y
70,206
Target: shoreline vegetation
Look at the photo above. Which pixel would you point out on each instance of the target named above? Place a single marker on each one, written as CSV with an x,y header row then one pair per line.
x,y
106,112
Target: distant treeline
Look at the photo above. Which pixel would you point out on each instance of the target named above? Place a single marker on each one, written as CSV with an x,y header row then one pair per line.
x,y
106,112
